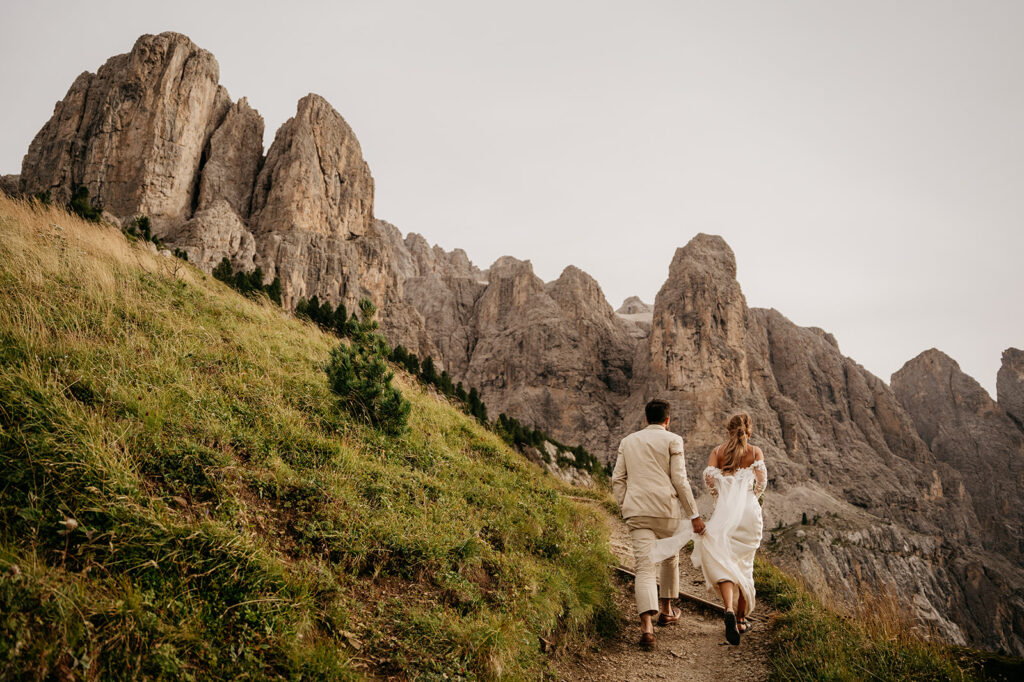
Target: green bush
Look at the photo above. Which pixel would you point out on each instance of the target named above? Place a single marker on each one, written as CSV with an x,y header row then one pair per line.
x,y
81,206
358,372
246,282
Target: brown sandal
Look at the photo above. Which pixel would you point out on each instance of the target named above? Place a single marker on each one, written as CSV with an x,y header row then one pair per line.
x,y
647,641
666,619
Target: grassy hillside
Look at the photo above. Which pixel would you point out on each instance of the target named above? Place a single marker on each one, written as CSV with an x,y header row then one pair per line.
x,y
181,498
877,641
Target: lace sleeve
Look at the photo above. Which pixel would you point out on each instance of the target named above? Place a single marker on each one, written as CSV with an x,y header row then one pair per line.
x,y
709,480
760,477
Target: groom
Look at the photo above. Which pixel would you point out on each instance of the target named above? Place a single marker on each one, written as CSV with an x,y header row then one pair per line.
x,y
650,485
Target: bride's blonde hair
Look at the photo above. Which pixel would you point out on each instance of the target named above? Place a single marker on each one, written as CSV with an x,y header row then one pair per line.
x,y
740,428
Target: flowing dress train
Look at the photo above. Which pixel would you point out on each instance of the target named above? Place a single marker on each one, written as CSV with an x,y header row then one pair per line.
x,y
725,552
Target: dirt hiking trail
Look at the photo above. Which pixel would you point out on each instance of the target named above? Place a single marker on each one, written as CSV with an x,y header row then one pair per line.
x,y
693,650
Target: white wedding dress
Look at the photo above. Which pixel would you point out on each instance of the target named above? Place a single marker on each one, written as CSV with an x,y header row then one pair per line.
x,y
733,533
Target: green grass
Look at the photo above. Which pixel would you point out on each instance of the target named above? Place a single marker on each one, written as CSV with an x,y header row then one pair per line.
x,y
813,642
181,496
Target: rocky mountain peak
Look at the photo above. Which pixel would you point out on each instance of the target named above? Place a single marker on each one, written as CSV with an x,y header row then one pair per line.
x,y
313,192
579,294
509,266
314,179
1010,385
634,306
133,133
966,429
708,253
699,319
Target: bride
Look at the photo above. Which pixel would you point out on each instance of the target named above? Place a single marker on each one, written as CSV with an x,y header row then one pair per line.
x,y
736,476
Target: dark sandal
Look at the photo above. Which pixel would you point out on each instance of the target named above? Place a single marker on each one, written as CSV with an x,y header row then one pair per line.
x,y
732,635
647,641
665,619
744,625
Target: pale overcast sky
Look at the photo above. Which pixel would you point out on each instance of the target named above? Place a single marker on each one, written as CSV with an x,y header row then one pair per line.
x,y
865,160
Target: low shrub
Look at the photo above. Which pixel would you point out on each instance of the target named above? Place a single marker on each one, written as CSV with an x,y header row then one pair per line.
x,y
359,373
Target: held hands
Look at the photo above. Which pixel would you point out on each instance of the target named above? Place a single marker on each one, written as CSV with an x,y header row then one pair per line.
x,y
698,525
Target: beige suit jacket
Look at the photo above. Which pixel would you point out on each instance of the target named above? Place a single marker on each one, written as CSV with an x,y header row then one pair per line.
x,y
650,475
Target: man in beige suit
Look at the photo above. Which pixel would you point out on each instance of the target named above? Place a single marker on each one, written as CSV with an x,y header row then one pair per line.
x,y
650,485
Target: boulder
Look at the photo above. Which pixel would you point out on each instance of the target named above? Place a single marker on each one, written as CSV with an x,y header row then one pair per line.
x,y
214,233
9,184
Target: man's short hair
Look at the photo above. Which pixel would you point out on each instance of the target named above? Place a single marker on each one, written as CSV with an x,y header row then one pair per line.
x,y
656,411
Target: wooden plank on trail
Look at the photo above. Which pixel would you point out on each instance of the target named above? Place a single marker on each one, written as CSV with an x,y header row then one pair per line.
x,y
700,601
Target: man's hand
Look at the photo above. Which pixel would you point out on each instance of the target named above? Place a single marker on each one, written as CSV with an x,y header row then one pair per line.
x,y
698,525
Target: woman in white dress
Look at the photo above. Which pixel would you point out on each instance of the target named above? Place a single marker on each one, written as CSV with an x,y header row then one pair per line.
x,y
736,476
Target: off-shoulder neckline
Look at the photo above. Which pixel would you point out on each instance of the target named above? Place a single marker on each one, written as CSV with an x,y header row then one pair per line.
x,y
752,465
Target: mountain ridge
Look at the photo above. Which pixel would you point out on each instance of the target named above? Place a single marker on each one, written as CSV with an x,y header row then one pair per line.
x,y
844,446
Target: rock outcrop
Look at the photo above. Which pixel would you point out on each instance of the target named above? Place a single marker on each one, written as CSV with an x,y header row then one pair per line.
x,y
552,355
966,429
634,306
9,184
639,314
1010,385
233,159
133,133
216,232
314,192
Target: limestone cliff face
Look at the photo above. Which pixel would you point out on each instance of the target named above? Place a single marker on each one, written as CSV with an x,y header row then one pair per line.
x,y
152,133
551,355
966,429
234,156
216,232
1010,385
314,192
133,133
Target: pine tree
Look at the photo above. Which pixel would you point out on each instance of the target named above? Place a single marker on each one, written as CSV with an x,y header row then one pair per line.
x,y
325,316
142,223
313,309
224,271
339,322
412,364
359,375
256,280
274,290
445,384
399,355
428,373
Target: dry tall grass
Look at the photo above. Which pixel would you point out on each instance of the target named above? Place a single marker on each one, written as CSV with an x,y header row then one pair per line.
x,y
182,498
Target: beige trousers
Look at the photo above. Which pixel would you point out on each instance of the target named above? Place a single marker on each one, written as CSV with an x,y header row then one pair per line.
x,y
644,530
